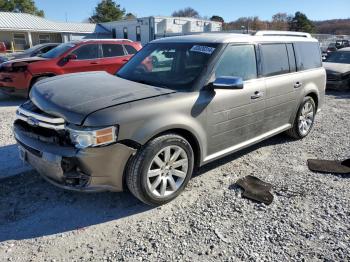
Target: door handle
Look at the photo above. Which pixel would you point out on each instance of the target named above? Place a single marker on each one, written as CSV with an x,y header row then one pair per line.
x,y
126,60
257,95
298,84
94,63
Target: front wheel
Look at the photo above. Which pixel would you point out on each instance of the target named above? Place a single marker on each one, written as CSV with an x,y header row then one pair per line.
x,y
160,171
304,119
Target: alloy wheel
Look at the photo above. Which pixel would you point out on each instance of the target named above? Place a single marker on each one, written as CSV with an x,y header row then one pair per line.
x,y
306,118
167,171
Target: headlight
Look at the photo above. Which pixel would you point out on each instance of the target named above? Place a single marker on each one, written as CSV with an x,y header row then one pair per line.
x,y
83,138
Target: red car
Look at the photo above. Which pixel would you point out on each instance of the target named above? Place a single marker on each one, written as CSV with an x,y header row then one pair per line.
x,y
18,76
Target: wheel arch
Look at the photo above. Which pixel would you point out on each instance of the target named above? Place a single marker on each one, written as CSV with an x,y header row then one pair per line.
x,y
314,96
186,134
35,77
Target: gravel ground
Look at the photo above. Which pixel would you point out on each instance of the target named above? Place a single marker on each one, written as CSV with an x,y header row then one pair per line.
x,y
308,219
8,149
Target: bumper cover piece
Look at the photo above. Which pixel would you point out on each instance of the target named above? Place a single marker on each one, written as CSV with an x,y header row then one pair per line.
x,y
90,170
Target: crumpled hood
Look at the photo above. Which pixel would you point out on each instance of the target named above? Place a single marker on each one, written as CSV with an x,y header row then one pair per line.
x,y
336,67
75,96
24,60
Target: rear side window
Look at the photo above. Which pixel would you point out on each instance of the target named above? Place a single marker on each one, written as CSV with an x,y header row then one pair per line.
x,y
308,55
239,61
274,59
112,50
86,52
130,49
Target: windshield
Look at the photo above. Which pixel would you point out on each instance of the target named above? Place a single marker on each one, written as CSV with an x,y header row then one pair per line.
x,y
339,57
59,50
29,50
170,65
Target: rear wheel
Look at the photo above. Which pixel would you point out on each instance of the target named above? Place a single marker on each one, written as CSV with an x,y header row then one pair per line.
x,y
161,169
304,119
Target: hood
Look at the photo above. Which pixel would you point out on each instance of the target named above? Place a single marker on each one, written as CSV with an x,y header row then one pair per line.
x,y
17,63
336,68
75,96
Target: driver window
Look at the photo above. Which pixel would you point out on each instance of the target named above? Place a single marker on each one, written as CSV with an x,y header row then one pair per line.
x,y
239,61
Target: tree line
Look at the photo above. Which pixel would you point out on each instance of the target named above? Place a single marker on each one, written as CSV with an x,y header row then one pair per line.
x,y
109,10
279,21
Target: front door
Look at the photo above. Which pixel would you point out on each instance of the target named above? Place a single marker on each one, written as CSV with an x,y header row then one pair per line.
x,y
87,59
236,115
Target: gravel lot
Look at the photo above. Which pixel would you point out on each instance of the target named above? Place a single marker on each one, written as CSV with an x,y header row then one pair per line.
x,y
308,220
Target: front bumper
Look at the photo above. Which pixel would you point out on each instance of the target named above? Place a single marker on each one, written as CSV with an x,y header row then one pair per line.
x,y
90,170
15,84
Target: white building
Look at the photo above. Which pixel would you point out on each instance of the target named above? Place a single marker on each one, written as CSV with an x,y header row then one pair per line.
x,y
20,31
147,29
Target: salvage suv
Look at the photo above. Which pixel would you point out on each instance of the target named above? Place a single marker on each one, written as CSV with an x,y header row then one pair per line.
x,y
148,128
18,76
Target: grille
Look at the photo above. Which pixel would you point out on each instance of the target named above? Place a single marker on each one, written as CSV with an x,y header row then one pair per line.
x,y
32,115
333,77
34,123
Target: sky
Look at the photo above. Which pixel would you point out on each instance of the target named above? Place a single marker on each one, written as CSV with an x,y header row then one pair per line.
x,y
79,10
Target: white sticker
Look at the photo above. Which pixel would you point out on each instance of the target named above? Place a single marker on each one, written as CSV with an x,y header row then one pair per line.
x,y
203,49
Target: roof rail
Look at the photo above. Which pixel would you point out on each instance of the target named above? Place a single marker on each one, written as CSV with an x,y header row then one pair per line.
x,y
283,33
104,39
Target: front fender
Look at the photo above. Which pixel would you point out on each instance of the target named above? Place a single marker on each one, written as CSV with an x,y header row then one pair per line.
x,y
167,123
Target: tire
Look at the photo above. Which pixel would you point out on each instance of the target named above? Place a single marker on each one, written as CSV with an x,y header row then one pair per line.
x,y
155,182
299,130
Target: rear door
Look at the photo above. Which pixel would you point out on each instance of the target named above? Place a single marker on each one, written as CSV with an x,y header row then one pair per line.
x,y
282,81
113,57
236,115
87,59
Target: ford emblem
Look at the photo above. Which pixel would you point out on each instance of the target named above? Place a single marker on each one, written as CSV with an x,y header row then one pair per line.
x,y
32,121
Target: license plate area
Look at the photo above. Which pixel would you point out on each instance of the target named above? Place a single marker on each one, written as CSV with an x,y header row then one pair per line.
x,y
48,165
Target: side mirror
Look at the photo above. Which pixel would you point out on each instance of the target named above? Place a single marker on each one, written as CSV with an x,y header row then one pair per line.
x,y
228,82
71,57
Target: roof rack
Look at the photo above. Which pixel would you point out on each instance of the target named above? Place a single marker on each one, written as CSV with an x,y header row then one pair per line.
x,y
104,39
283,33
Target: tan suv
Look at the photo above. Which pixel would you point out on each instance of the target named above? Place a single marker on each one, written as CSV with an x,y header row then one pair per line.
x,y
148,127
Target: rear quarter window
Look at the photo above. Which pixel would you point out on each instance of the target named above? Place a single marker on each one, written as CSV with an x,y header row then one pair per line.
x,y
308,55
130,49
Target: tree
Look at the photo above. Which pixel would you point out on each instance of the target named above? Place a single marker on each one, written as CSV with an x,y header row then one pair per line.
x,y
280,21
301,23
186,12
217,18
107,11
20,6
130,16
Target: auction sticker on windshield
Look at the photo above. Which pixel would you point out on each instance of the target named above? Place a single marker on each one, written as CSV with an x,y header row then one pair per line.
x,y
203,49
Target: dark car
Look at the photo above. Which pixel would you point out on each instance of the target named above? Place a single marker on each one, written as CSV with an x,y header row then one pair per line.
x,y
36,50
149,128
337,66
342,44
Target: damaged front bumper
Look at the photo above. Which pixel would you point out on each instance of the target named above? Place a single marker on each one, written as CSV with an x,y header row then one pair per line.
x,y
90,169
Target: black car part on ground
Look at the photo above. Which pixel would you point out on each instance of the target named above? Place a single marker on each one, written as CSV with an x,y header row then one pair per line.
x,y
256,189
329,166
